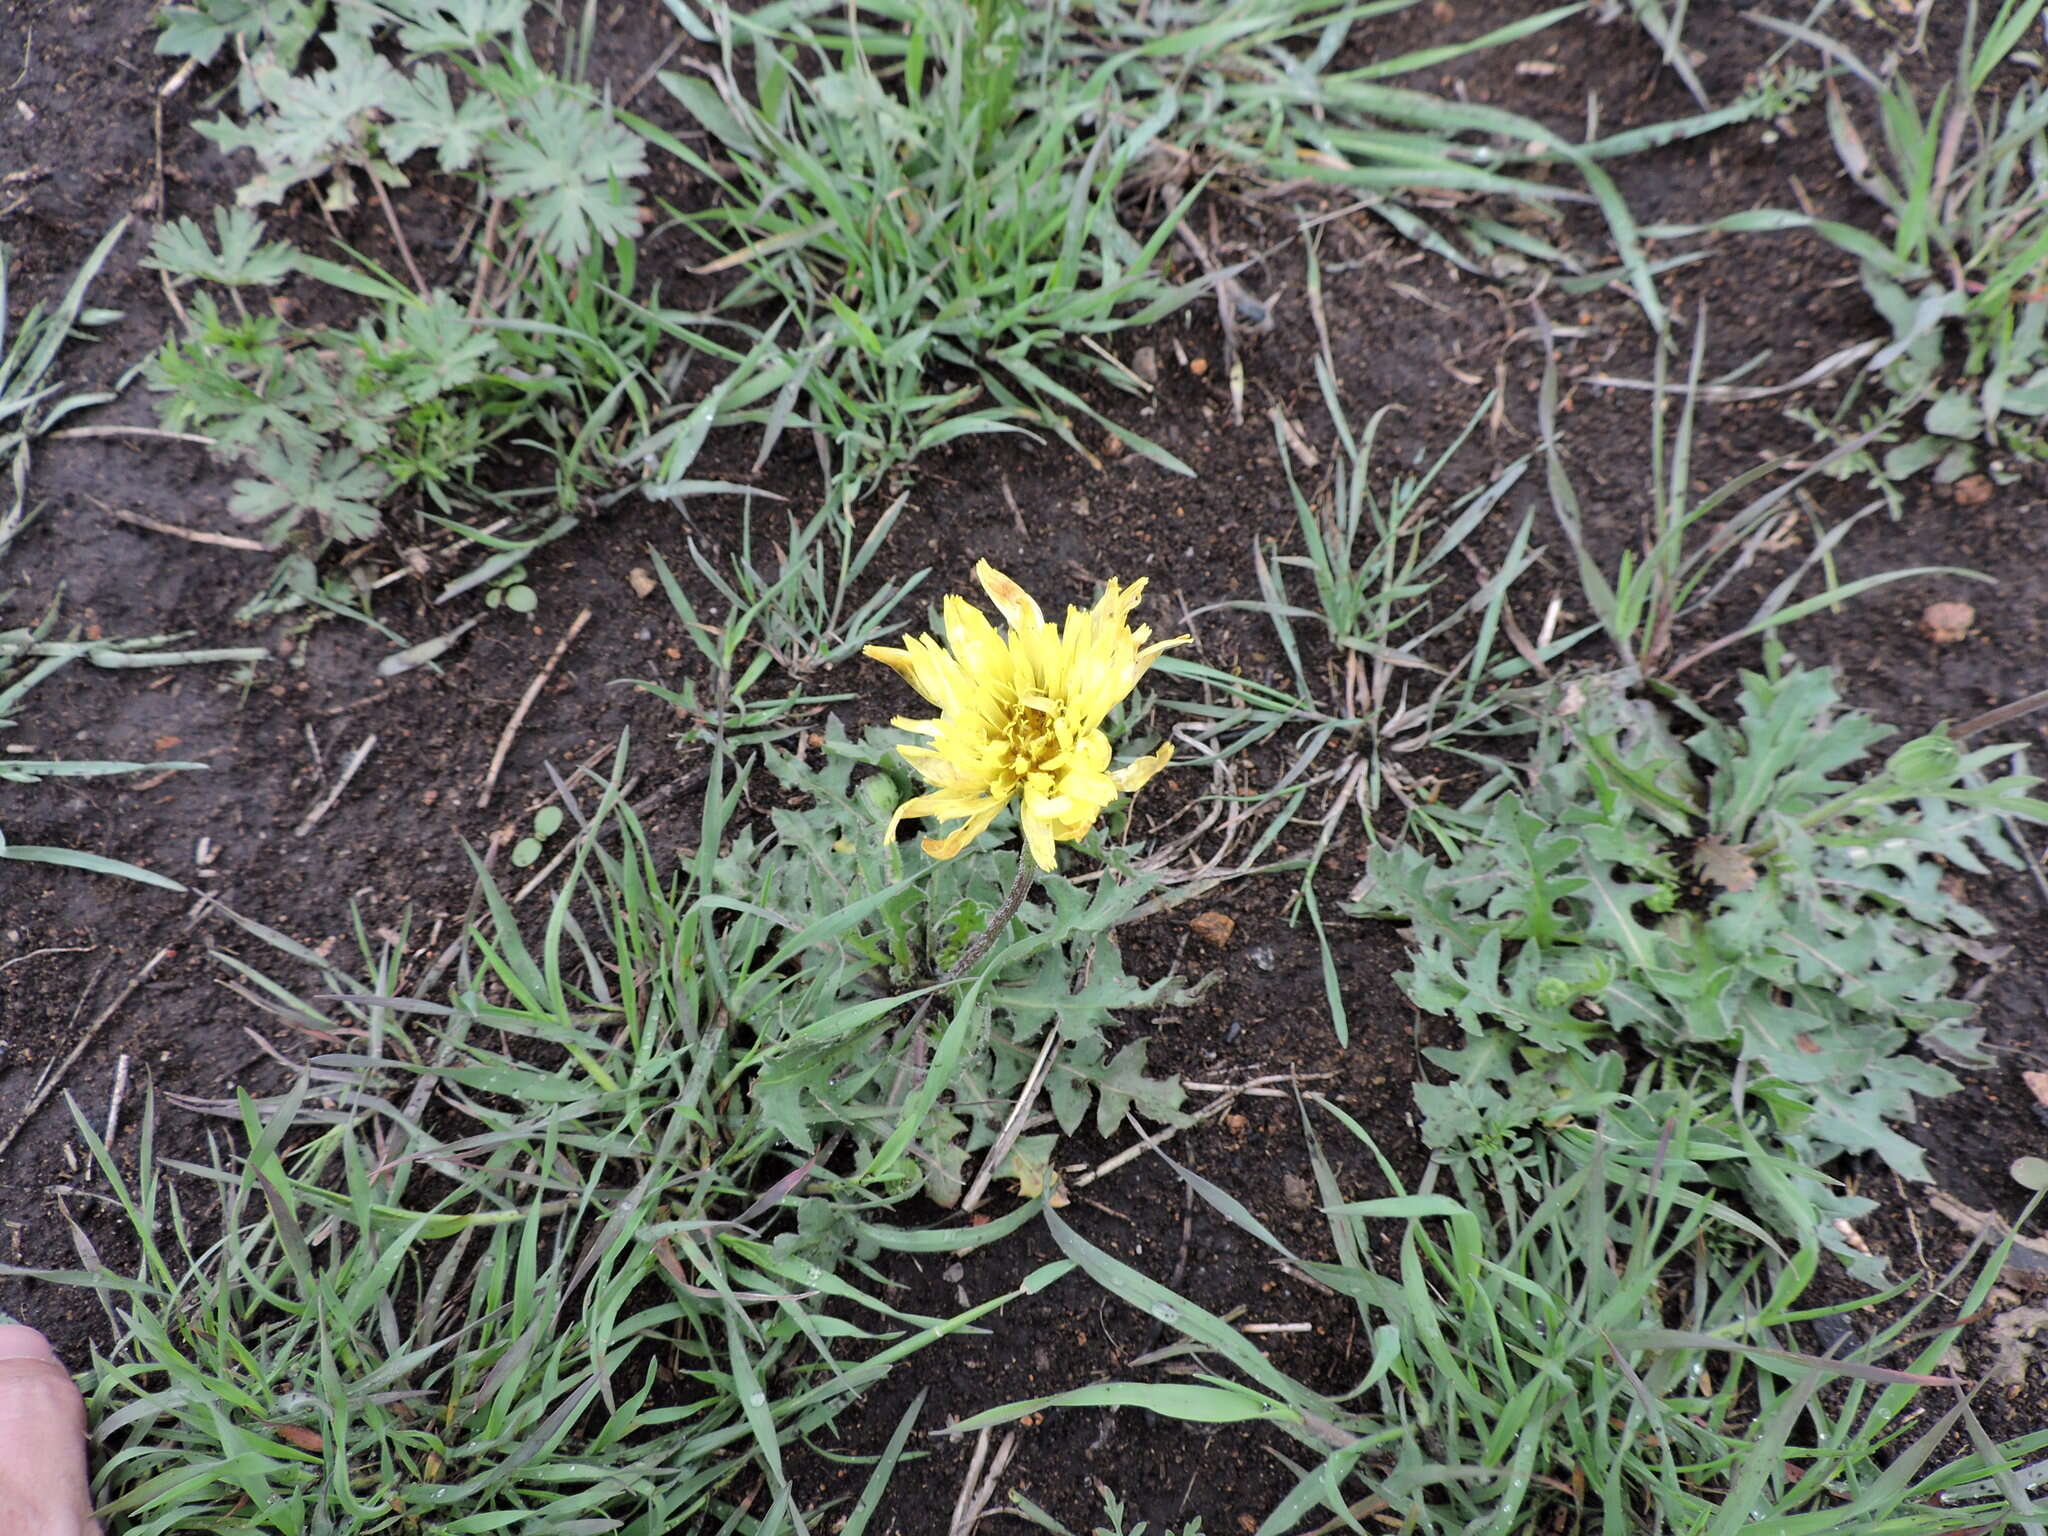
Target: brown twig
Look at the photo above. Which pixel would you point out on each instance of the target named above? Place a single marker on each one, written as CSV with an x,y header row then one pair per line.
x,y
176,83
483,259
328,801
2005,714
158,433
526,702
115,1101
92,1033
975,1489
1013,1127
72,949
647,78
190,535
419,283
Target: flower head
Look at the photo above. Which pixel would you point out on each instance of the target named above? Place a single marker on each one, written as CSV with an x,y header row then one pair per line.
x,y
1020,714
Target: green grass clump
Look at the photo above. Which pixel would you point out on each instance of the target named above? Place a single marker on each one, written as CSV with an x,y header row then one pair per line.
x,y
1960,274
545,1240
1696,540
941,206
30,404
933,212
1257,90
1385,655
790,604
571,1228
1581,1336
1741,899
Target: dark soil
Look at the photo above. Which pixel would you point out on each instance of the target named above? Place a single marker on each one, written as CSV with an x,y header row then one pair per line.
x,y
1408,332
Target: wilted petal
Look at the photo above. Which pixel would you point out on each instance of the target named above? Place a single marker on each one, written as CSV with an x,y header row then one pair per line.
x,y
1018,608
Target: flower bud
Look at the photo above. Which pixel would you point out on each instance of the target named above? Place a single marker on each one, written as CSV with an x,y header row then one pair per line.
x,y
878,796
1925,761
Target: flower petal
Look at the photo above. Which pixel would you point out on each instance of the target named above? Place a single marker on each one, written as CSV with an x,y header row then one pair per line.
x,y
943,772
1012,601
1020,713
980,651
954,842
1158,648
1038,837
924,664
1137,773
949,805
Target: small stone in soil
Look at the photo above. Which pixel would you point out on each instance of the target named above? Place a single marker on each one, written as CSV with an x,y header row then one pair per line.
x,y
1973,490
1947,623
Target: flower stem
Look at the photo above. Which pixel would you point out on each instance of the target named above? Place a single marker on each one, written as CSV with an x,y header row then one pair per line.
x,y
1027,874
913,1067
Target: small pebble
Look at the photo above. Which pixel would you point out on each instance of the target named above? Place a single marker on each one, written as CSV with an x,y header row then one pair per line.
x,y
1973,490
1947,623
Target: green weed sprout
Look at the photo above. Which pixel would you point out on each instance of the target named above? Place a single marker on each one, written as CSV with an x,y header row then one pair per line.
x,y
1694,544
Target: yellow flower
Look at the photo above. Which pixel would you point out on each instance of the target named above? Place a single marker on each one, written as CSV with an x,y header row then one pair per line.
x,y
1020,715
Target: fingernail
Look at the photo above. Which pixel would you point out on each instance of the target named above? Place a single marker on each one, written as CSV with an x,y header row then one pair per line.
x,y
19,1343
